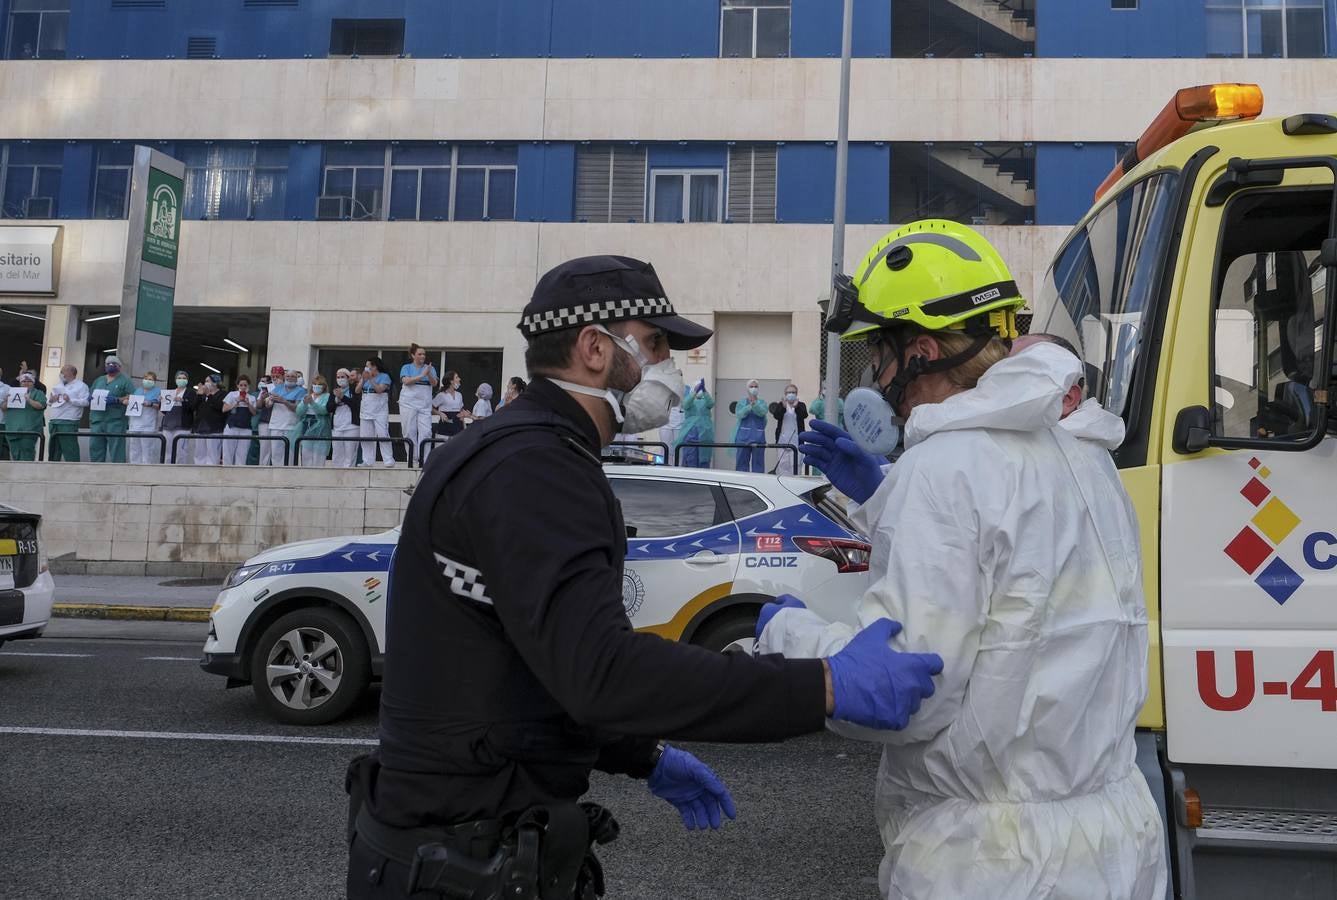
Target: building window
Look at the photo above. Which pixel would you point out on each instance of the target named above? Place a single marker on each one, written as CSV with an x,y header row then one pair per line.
x,y
754,28
752,184
927,29
38,29
111,189
1266,28
484,184
356,172
685,195
367,37
610,183
30,188
427,182
420,183
230,181
975,184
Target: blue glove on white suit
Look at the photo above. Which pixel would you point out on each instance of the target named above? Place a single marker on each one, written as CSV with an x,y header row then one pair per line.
x,y
690,785
855,472
876,686
768,611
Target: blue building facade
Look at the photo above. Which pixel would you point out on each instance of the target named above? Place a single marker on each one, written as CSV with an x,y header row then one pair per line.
x,y
1048,183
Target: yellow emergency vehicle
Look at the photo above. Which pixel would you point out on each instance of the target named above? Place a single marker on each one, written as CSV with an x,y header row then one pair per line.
x,y
1200,290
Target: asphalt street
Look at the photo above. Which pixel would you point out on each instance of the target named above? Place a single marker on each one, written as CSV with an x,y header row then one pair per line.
x,y
102,796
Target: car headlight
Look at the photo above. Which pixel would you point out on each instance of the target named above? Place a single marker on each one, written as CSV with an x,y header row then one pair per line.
x,y
239,575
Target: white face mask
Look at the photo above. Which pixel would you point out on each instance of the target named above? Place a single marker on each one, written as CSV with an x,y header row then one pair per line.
x,y
647,405
872,422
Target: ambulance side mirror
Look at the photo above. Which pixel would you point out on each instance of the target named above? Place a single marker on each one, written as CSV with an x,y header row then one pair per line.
x,y
1193,430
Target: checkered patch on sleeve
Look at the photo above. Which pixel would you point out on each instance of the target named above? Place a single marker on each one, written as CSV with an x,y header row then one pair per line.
x,y
595,313
464,580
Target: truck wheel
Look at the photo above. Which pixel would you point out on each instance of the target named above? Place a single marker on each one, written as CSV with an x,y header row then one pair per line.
x,y
310,666
732,632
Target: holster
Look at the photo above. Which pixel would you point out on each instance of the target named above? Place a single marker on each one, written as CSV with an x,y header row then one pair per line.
x,y
546,853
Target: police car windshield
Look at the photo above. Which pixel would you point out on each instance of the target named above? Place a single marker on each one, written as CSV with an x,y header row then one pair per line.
x,y
1101,287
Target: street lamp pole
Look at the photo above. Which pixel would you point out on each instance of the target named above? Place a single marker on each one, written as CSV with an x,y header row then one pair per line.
x,y
832,379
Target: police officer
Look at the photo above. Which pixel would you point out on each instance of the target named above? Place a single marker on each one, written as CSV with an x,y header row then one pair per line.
x,y
511,668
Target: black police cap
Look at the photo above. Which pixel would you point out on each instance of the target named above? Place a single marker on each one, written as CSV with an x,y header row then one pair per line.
x,y
600,290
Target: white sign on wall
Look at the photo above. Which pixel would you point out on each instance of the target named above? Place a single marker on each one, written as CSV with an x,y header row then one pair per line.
x,y
29,259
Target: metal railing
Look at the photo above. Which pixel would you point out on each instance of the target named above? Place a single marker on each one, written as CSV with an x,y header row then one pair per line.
x,y
430,442
111,436
232,437
349,439
41,442
677,453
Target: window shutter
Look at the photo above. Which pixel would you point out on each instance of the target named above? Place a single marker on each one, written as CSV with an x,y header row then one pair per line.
x,y
610,183
752,184
594,173
629,174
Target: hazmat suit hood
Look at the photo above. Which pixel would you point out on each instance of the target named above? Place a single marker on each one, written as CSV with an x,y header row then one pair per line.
x,y
1093,423
1019,393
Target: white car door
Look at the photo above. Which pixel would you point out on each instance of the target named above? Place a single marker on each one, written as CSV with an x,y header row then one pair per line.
x,y
682,546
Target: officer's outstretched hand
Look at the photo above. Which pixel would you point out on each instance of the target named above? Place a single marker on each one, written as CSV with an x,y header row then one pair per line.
x,y
878,687
690,785
768,611
854,471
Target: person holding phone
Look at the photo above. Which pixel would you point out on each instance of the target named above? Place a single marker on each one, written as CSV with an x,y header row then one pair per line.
x,y
238,406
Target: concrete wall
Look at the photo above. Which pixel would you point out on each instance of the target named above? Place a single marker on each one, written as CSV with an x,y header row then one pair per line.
x,y
606,99
194,521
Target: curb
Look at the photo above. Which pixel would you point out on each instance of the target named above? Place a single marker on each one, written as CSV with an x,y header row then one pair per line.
x,y
131,613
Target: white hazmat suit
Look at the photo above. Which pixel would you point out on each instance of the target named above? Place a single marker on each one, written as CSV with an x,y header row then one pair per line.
x,y
1007,545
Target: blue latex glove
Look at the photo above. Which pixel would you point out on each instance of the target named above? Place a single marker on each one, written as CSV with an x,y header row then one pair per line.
x,y
877,686
690,785
768,611
854,471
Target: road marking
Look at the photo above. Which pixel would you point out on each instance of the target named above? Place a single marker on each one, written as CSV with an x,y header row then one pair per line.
x,y
67,655
173,658
189,736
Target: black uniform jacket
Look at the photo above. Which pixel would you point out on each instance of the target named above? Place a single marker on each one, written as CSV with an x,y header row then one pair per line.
x,y
511,668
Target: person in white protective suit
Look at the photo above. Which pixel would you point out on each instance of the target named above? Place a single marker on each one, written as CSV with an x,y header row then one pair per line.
x,y
1010,545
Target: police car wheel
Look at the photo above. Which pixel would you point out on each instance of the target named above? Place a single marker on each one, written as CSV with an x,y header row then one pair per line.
x,y
310,666
733,632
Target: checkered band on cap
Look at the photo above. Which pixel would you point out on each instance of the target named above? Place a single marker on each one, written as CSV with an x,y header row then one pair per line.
x,y
595,313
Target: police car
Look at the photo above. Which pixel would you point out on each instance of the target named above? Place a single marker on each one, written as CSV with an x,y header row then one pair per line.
x,y
304,623
26,588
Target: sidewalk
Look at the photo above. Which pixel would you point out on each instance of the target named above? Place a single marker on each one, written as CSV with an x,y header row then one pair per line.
x,y
134,598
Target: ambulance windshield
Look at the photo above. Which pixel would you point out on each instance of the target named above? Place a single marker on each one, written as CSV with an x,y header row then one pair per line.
x,y
1101,286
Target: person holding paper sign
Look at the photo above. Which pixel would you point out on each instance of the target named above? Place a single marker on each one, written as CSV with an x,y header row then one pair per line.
x,y
178,416
147,399
107,416
68,400
25,404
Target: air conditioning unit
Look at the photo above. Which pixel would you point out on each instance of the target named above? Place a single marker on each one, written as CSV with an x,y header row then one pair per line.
x,y
39,208
333,208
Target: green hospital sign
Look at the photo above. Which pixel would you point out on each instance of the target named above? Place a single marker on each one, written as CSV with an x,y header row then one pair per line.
x,y
162,221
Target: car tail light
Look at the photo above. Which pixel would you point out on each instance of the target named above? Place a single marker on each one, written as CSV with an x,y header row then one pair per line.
x,y
849,556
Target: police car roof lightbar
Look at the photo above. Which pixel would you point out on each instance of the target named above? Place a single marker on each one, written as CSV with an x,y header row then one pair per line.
x,y
1190,109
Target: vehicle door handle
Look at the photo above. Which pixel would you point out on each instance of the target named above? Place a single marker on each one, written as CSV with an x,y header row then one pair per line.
x,y
707,558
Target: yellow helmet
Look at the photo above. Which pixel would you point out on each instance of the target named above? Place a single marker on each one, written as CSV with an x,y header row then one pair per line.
x,y
935,274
